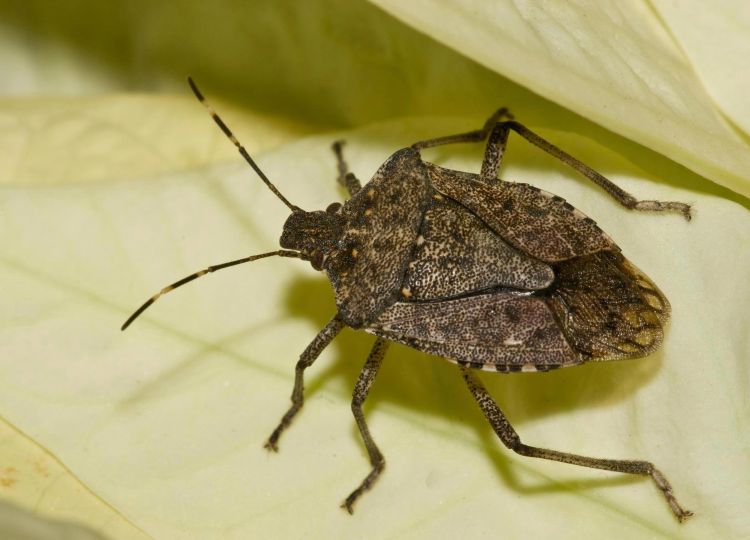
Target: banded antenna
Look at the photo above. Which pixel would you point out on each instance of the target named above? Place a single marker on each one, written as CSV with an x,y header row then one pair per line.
x,y
196,275
243,152
214,268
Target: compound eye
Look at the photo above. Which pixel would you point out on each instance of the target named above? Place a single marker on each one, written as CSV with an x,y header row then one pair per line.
x,y
333,208
316,260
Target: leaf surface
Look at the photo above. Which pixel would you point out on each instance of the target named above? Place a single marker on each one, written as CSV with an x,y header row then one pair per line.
x,y
166,422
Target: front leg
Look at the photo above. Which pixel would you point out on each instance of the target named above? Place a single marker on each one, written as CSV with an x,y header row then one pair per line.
x,y
310,354
510,438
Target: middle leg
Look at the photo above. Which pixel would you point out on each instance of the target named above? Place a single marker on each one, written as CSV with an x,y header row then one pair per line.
x,y
361,389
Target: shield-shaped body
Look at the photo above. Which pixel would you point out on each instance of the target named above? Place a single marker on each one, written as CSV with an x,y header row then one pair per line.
x,y
494,275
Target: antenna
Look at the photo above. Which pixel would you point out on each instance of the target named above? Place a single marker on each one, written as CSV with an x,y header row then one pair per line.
x,y
196,275
243,152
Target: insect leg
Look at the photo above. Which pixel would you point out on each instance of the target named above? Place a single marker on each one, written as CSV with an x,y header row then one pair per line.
x,y
346,178
493,153
619,194
510,438
476,135
361,389
310,354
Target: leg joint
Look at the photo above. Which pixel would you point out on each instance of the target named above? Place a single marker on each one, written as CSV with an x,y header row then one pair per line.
x,y
520,448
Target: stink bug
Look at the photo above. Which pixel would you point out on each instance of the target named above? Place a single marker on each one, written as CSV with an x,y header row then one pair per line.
x,y
489,274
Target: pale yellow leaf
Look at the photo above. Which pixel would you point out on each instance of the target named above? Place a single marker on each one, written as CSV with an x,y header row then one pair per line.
x,y
166,422
716,39
612,62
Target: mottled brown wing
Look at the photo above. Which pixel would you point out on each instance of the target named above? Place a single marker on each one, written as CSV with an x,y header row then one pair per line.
x,y
383,221
499,331
456,254
536,222
607,308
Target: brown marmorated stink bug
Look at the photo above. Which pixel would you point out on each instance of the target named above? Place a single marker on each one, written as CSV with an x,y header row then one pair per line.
x,y
489,274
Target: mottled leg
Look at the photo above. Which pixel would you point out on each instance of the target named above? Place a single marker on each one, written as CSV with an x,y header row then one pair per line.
x,y
361,389
477,135
493,152
620,195
498,130
510,438
496,133
310,354
345,178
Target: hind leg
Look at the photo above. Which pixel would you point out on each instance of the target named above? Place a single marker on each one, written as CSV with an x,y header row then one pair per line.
x,y
510,438
615,191
496,130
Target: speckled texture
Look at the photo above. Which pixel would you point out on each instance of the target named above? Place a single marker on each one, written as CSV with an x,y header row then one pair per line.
x,y
456,253
382,222
538,223
498,276
503,331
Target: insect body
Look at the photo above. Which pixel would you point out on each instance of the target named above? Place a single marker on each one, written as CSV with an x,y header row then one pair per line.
x,y
489,274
